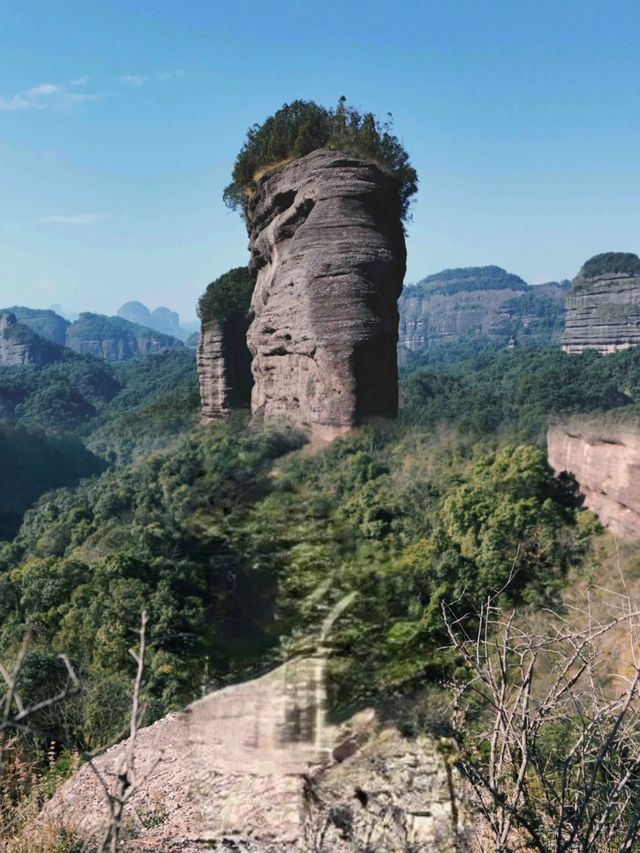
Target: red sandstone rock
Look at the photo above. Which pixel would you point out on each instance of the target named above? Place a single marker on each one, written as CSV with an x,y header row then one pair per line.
x,y
328,248
605,460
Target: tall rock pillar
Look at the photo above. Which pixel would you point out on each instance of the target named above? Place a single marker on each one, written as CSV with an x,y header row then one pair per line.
x,y
327,248
224,369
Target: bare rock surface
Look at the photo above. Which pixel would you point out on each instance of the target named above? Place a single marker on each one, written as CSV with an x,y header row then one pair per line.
x,y
224,368
605,460
328,249
602,313
255,767
19,345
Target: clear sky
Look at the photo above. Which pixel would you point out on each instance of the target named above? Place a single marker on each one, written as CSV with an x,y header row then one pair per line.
x,y
120,121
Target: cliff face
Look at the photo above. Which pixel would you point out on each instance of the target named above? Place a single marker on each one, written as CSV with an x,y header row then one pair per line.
x,y
603,313
224,367
19,345
257,767
328,250
605,460
483,302
44,322
116,339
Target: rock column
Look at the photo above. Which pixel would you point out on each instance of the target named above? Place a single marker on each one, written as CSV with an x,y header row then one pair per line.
x,y
327,248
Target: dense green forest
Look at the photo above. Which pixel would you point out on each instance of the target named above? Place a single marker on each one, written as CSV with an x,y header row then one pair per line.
x,y
237,543
238,540
66,421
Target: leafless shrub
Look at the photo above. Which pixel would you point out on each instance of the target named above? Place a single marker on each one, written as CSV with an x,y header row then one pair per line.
x,y
127,781
550,747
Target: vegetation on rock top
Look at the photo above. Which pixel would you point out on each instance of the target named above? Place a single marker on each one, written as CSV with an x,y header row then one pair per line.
x,y
301,127
611,262
227,297
461,279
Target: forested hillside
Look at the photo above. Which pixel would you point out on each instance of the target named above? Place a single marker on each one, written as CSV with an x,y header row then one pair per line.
x,y
68,420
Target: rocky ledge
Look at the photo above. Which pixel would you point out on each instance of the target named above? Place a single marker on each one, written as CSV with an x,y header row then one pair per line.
x,y
605,460
328,250
257,768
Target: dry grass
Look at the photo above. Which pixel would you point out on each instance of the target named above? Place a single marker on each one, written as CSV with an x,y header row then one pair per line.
x,y
23,790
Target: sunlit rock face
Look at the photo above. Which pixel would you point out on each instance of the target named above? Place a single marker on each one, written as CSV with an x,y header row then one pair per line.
x,y
224,368
327,248
605,460
603,306
258,767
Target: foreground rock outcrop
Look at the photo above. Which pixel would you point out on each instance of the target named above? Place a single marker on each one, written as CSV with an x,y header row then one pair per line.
x,y
603,306
20,346
327,247
256,768
478,303
604,457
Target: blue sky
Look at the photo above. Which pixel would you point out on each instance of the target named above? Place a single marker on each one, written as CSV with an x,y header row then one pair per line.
x,y
120,122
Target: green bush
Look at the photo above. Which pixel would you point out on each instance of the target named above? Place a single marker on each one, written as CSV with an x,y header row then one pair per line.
x,y
228,296
611,262
302,127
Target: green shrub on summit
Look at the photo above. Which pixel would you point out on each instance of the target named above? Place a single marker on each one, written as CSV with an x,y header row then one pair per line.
x,y
301,127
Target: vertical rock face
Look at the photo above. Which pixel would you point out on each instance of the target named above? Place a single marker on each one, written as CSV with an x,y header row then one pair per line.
x,y
19,345
603,306
605,460
224,367
328,250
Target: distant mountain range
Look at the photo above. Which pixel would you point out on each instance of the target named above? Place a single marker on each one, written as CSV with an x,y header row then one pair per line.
x,y
34,336
161,319
479,305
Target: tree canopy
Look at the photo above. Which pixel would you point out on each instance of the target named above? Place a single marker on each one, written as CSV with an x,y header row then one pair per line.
x,y
228,296
301,127
611,262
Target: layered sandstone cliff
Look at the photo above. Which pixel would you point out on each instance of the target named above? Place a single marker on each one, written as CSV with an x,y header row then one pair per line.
x,y
479,302
224,360
19,345
256,767
604,457
224,367
603,306
327,247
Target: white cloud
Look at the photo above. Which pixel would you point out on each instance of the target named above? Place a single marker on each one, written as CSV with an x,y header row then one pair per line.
x,y
138,80
77,218
48,96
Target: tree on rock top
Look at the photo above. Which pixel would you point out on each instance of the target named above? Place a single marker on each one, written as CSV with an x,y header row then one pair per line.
x,y
301,127
227,297
611,262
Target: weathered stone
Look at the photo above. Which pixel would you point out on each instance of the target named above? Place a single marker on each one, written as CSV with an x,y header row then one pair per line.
x,y
604,457
224,367
19,345
328,249
602,313
251,768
